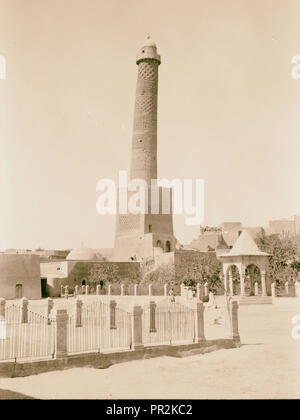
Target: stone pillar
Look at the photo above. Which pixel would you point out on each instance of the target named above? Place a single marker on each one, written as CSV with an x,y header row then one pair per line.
x,y
112,313
109,290
78,312
206,289
230,284
87,289
66,292
256,288
61,333
150,289
24,310
263,283
199,323
152,316
137,333
50,305
273,289
135,289
2,309
83,289
122,289
98,289
76,290
62,290
234,321
165,289
242,278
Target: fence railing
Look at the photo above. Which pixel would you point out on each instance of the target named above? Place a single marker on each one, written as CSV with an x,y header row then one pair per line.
x,y
25,334
101,326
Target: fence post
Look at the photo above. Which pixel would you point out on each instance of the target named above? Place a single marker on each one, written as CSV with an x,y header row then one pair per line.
x,y
61,349
135,290
137,332
98,289
287,288
199,322
152,316
112,313
234,321
78,312
166,289
263,284
109,290
273,289
256,288
122,289
76,290
2,309
24,310
150,289
50,305
87,289
206,289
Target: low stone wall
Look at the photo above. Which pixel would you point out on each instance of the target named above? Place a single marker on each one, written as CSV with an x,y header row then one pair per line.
x,y
103,361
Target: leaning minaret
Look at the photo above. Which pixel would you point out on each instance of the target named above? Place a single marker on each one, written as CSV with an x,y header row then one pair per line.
x,y
140,236
144,139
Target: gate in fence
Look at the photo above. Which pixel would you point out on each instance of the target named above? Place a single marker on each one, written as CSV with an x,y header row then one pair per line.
x,y
168,323
99,327
25,334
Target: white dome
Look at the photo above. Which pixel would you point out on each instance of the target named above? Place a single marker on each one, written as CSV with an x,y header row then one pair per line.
x,y
82,254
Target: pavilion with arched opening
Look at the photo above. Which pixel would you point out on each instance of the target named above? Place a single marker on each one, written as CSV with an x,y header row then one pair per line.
x,y
245,268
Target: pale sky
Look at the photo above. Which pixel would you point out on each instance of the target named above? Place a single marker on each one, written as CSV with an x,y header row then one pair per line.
x,y
228,110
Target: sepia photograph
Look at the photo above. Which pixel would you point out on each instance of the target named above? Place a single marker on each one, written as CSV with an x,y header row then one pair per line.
x,y
150,205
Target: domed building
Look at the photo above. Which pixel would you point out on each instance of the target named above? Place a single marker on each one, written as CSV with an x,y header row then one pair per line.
x,y
82,253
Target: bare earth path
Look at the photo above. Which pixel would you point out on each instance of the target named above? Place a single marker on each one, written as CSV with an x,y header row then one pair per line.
x,y
266,366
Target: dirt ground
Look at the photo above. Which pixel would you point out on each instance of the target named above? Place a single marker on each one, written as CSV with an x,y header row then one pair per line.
x,y
266,366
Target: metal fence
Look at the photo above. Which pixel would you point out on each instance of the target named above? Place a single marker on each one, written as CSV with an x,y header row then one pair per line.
x,y
168,323
101,327
33,338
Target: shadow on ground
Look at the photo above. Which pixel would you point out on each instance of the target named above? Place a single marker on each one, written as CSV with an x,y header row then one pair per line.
x,y
5,394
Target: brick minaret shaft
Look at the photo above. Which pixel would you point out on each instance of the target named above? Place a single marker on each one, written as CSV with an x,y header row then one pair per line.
x,y
144,139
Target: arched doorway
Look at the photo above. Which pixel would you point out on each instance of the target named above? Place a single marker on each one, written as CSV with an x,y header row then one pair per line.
x,y
19,291
168,246
233,281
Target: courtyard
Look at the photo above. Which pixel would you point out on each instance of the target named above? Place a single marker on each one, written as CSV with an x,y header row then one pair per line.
x,y
267,365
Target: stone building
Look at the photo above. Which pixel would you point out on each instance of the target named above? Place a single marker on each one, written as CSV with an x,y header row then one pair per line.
x,y
20,276
77,269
